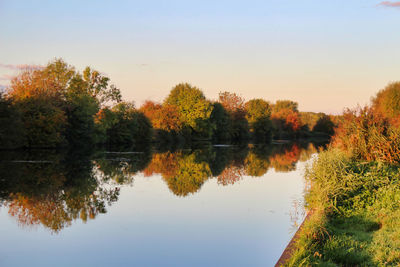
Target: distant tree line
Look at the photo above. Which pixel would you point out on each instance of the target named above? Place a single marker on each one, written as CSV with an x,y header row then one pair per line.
x,y
58,106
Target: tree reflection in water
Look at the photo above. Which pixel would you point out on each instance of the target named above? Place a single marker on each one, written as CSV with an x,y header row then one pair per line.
x,y
64,187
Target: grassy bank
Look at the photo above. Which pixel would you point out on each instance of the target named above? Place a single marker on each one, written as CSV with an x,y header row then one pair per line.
x,y
356,215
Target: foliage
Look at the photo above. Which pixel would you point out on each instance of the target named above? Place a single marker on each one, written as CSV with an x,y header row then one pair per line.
x,y
324,125
234,105
11,126
127,126
285,105
368,136
55,191
310,119
223,123
286,123
44,122
58,104
258,112
387,101
355,218
194,109
163,117
355,191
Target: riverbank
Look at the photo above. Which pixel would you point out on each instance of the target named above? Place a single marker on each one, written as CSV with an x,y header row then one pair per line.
x,y
356,215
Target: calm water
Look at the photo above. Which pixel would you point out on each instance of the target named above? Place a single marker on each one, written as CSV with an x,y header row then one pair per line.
x,y
214,206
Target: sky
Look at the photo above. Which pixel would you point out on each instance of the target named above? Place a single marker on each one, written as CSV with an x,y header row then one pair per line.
x,y
326,55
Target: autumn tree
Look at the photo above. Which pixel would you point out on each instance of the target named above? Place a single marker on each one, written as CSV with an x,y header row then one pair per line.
x,y
58,103
193,108
164,119
234,105
286,119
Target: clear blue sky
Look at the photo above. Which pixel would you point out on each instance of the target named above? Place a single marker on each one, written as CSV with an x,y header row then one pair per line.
x,y
326,55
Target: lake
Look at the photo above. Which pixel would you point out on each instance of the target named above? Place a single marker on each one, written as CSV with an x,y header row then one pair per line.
x,y
204,206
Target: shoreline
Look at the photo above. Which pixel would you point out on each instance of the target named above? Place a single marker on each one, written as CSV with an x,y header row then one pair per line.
x,y
291,246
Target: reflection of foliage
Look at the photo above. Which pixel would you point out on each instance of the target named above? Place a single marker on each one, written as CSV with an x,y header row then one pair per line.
x,y
307,152
122,166
164,163
255,165
190,176
62,188
230,175
285,161
54,191
184,173
221,158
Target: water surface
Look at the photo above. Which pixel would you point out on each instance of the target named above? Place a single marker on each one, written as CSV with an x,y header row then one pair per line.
x,y
211,206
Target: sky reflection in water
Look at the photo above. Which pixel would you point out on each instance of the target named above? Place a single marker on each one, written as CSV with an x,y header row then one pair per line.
x,y
214,206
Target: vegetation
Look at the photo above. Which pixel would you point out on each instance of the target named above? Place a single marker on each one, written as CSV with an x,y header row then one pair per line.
x,y
354,192
58,106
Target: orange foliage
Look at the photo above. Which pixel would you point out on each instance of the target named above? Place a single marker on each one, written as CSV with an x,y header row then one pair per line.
x,y
231,101
367,134
36,83
163,117
165,164
286,161
230,175
290,118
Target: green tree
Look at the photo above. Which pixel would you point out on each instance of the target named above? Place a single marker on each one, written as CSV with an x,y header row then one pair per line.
x,y
325,125
234,105
258,112
11,126
223,124
194,109
126,125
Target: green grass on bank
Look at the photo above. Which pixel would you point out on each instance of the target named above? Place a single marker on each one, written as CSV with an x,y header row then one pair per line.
x,y
355,217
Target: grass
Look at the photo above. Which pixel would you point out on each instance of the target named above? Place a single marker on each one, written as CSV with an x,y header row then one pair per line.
x,y
355,214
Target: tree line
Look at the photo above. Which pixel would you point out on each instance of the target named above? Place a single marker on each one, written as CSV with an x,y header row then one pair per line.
x,y
58,106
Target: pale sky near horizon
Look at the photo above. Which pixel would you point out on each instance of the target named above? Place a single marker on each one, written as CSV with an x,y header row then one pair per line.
x,y
326,55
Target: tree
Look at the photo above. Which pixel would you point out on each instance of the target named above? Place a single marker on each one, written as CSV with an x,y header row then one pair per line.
x,y
222,121
387,101
286,123
234,105
126,126
284,105
11,127
258,113
163,117
58,103
231,102
325,125
193,108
